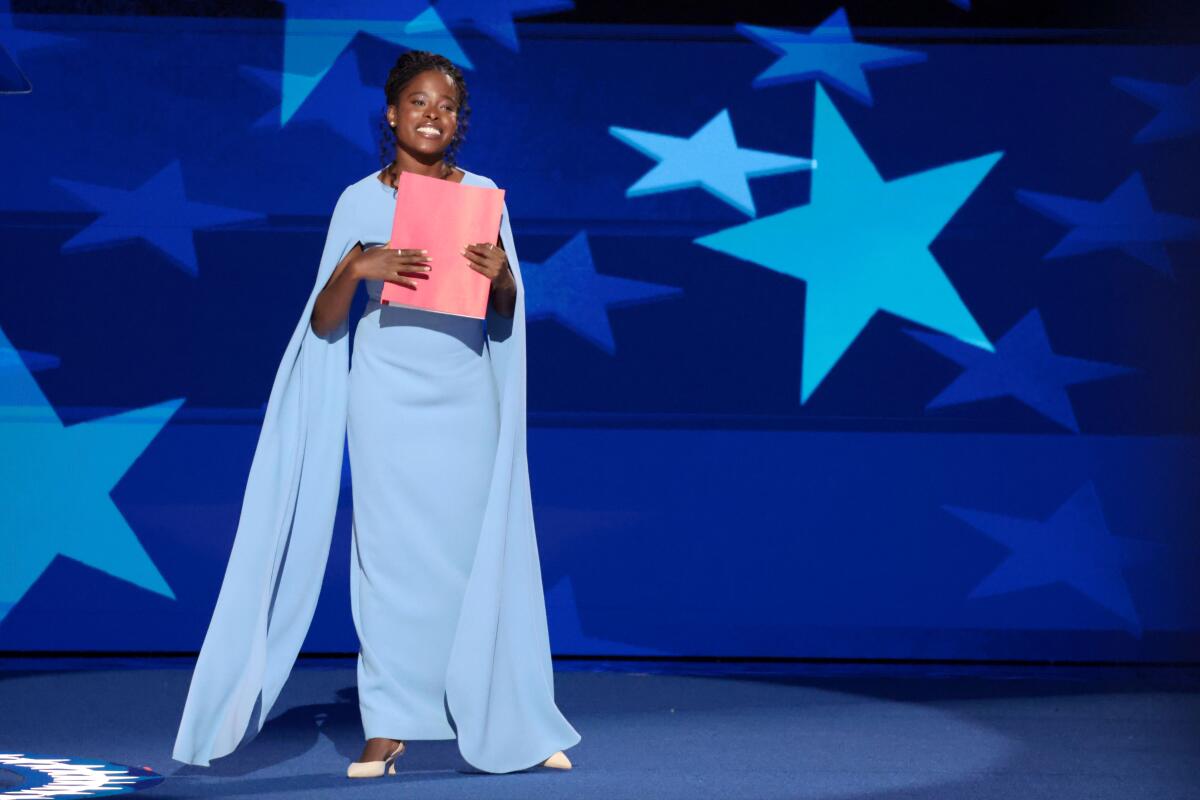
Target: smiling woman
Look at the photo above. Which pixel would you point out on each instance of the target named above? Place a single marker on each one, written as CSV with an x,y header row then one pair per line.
x,y
445,584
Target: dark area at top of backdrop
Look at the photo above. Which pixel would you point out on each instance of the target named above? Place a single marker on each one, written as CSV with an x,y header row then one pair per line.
x,y
927,500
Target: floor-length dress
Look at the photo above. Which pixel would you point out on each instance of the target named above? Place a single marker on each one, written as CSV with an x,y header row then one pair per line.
x,y
445,581
422,434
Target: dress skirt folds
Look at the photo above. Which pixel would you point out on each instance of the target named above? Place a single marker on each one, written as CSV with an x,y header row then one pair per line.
x,y
422,432
446,587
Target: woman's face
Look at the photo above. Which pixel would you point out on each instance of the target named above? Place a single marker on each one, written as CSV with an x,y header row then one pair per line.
x,y
426,113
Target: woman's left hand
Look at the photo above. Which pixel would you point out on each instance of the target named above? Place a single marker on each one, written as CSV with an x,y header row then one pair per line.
x,y
490,260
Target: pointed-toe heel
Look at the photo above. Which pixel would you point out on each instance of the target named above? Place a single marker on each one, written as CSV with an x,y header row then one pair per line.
x,y
375,769
557,761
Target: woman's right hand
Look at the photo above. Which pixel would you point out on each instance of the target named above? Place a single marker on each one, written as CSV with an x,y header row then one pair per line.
x,y
404,267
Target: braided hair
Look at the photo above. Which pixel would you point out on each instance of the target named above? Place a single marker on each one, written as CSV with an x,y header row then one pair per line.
x,y
408,66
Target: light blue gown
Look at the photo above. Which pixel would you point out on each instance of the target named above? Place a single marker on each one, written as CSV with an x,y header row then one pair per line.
x,y
445,583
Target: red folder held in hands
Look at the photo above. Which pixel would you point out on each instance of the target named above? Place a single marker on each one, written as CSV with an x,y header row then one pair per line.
x,y
443,217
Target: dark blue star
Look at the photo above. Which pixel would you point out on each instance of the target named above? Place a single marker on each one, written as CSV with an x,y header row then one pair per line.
x,y
1124,221
1023,366
158,211
829,53
494,18
1178,107
1073,546
567,288
566,627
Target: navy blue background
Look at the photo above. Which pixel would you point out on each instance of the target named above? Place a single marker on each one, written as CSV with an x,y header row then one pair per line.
x,y
687,504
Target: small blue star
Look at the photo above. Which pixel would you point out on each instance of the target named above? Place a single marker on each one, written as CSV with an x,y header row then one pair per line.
x,y
710,160
1023,366
567,288
1124,221
494,18
1178,108
862,245
829,53
316,32
57,494
1073,546
158,211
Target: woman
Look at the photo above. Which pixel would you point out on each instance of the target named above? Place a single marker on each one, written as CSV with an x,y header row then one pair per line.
x,y
445,582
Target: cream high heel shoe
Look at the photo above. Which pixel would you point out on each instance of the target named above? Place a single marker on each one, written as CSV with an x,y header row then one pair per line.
x,y
557,761
374,769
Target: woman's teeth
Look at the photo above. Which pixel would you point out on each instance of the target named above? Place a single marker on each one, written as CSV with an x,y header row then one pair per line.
x,y
431,133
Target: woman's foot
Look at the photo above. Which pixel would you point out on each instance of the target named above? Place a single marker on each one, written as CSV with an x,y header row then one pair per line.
x,y
378,749
378,756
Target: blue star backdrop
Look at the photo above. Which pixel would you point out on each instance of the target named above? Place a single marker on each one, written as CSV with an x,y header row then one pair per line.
x,y
843,341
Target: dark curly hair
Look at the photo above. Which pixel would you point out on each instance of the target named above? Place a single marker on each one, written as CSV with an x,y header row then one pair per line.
x,y
408,66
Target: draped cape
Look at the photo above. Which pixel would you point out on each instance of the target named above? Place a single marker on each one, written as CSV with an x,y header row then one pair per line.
x,y
499,682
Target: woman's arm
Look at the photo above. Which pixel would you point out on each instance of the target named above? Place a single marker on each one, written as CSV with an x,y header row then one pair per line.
x,y
492,261
333,303
377,264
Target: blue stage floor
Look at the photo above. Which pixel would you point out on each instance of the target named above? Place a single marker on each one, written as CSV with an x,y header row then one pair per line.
x,y
668,731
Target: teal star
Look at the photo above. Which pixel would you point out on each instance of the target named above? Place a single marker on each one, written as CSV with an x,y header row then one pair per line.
x,y
56,493
315,33
862,245
710,159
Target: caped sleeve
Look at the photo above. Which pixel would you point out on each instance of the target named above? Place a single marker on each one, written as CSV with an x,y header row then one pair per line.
x,y
279,553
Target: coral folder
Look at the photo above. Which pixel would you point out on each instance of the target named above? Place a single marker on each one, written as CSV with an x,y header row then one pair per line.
x,y
443,217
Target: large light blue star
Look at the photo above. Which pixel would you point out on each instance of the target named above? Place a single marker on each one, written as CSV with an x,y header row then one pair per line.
x,y
55,483
828,53
1123,221
494,18
158,211
1073,546
1178,107
862,245
1023,366
567,288
710,159
315,32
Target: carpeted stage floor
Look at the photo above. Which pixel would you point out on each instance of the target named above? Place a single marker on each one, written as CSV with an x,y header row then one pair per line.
x,y
657,731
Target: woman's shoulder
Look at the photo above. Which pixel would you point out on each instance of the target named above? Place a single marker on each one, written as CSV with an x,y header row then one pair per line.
x,y
370,181
475,177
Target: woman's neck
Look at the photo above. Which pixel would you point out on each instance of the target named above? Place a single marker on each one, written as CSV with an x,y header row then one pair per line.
x,y
405,162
